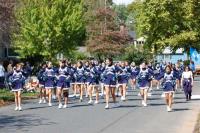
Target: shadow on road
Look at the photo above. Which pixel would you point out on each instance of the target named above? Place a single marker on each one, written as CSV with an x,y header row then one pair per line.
x,y
32,108
181,109
128,106
22,122
81,105
157,104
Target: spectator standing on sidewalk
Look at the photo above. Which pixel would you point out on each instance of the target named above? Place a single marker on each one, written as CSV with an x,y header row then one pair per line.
x,y
192,67
2,74
10,67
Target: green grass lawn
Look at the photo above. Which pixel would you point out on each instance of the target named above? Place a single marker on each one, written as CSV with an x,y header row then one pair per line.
x,y
7,95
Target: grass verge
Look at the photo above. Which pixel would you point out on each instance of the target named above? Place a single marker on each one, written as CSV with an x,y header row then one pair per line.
x,y
7,97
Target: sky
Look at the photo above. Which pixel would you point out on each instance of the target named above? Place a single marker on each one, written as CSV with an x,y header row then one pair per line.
x,y
126,2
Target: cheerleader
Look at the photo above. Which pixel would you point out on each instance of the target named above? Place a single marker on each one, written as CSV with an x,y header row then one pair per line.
x,y
17,81
168,85
101,69
178,72
134,72
187,82
128,67
49,77
123,77
143,82
150,67
93,81
109,75
80,79
157,75
42,95
63,83
87,77
73,78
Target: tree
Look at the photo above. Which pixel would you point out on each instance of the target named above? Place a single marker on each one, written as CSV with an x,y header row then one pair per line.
x,y
173,23
137,54
104,38
122,13
6,21
48,27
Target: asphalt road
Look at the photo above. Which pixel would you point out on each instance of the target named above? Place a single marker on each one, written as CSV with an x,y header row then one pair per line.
x,y
130,117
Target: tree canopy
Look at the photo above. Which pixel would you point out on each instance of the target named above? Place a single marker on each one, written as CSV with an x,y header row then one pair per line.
x,y
48,27
6,21
104,38
174,23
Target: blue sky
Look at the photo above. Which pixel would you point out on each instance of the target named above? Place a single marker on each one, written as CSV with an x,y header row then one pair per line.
x,y
123,1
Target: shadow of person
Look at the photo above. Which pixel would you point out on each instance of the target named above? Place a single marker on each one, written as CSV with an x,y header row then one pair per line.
x,y
22,122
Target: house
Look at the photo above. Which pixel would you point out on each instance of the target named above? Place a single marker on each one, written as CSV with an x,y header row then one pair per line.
x,y
167,54
139,42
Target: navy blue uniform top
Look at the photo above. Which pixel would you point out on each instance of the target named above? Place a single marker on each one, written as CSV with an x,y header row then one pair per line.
x,y
17,76
134,71
80,72
110,72
40,74
94,72
123,72
49,73
178,73
87,71
158,72
169,81
144,75
64,74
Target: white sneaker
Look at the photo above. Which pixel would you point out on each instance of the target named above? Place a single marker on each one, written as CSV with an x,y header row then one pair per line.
x,y
44,101
139,94
169,109
60,106
123,98
149,94
20,108
90,102
157,88
65,106
40,101
107,107
49,104
145,104
16,108
163,95
96,102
